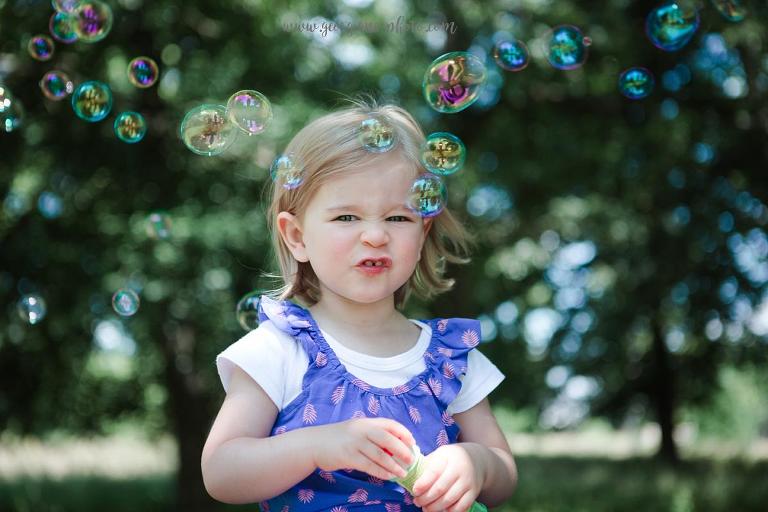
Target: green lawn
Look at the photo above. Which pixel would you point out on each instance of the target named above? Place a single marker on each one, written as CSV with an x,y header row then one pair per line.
x,y
551,484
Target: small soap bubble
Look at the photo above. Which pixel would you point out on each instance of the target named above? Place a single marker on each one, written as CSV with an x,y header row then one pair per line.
x,y
427,195
56,85
11,111
376,135
671,25
251,111
247,311
207,130
62,27
93,21
453,82
66,6
443,153
636,83
130,127
92,101
287,170
40,47
125,302
732,10
511,55
143,72
31,309
568,48
159,226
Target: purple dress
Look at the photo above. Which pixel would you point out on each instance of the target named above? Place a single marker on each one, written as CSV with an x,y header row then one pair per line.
x,y
330,394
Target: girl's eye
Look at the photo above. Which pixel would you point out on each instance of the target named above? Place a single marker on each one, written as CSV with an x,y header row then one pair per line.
x,y
401,217
344,217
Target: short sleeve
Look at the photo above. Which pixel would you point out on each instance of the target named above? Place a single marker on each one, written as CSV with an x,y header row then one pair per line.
x,y
481,378
267,355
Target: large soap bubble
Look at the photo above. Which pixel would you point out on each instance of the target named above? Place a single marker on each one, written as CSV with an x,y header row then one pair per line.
x,y
427,195
671,25
92,101
251,111
62,27
93,21
207,130
453,82
443,153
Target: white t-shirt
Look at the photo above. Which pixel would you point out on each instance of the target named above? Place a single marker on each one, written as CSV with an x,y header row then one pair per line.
x,y
277,362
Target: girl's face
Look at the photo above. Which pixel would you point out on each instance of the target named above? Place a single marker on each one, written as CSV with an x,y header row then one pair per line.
x,y
357,216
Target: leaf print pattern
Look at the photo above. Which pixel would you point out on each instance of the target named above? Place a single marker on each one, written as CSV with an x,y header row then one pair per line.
x,y
470,338
339,509
436,385
376,481
264,506
447,352
392,507
442,437
414,413
430,356
374,502
359,496
280,430
407,498
361,384
327,475
338,395
321,359
310,414
306,495
373,405
448,370
447,419
285,509
359,414
442,325
400,389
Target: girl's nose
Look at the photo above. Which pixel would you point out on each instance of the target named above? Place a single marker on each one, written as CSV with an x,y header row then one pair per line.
x,y
374,235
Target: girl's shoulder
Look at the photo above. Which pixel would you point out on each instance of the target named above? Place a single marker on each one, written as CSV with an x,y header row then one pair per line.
x,y
457,333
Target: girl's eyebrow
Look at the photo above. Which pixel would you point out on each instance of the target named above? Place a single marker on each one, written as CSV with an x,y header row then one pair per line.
x,y
356,208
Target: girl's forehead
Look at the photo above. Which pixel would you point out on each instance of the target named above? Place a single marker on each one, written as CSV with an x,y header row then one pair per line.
x,y
384,178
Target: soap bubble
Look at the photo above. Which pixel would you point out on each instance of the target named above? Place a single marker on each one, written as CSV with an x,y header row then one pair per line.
x,y
636,83
251,111
62,27
125,302
511,55
11,111
67,6
247,311
671,25
130,127
159,226
143,72
288,171
427,195
93,21
453,82
443,153
568,48
376,135
732,10
92,101
56,85
40,47
31,308
206,130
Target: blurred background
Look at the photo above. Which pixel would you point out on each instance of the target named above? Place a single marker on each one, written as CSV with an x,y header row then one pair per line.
x,y
620,275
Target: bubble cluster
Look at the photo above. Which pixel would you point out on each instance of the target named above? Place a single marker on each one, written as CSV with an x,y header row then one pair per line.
x,y
732,10
56,85
453,82
376,135
125,302
636,83
93,21
92,101
207,130
247,311
159,226
143,72
511,55
443,153
31,309
130,127
11,111
427,195
288,171
62,27
40,47
671,25
250,111
66,6
567,47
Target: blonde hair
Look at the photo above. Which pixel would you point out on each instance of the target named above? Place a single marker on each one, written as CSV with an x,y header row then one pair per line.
x,y
329,146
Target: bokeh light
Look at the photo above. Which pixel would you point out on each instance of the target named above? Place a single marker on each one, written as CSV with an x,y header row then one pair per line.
x,y
11,111
31,308
159,226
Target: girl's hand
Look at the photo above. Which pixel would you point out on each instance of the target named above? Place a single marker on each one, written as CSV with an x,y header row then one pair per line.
x,y
364,444
450,481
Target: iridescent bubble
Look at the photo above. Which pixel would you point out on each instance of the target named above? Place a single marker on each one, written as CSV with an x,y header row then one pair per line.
x,y
68,6
376,135
453,82
93,21
143,72
125,302
31,308
130,127
732,10
247,311
62,27
159,226
636,83
207,130
92,101
11,111
511,55
427,195
568,48
56,85
251,111
40,47
288,171
671,25
443,153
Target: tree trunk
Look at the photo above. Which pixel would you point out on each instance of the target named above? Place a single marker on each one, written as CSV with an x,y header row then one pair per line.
x,y
663,393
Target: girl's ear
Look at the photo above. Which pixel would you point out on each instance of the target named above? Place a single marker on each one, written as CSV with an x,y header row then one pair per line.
x,y
290,231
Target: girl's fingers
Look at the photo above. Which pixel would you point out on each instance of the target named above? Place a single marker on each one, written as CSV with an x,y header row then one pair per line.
x,y
392,444
383,461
